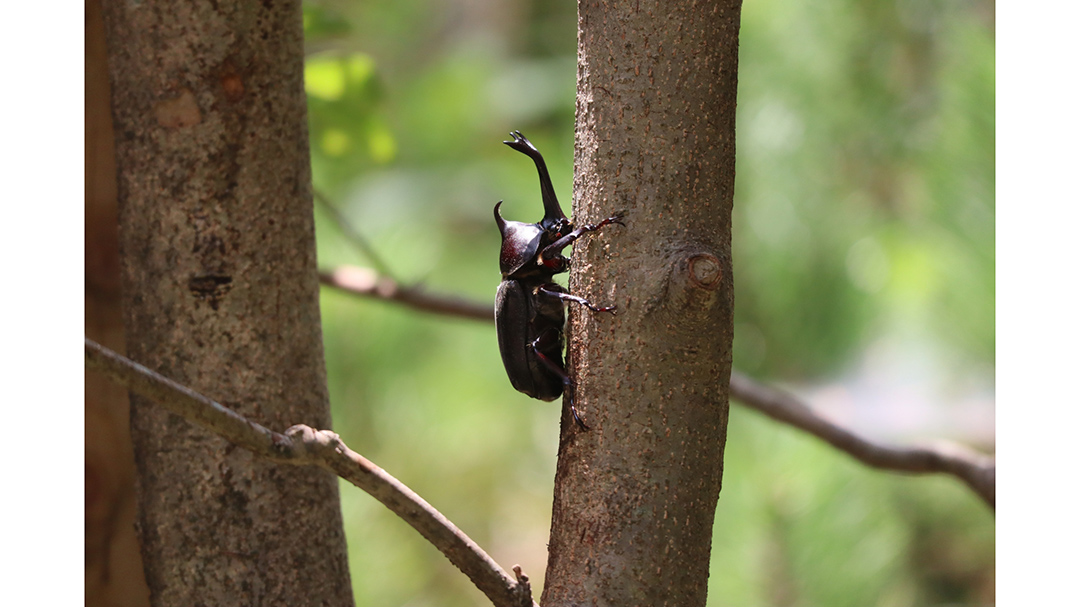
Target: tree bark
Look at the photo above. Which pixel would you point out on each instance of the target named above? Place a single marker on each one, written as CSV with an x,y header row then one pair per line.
x,y
221,294
635,496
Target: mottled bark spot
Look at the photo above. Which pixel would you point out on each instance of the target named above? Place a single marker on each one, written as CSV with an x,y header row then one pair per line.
x,y
178,112
210,288
233,86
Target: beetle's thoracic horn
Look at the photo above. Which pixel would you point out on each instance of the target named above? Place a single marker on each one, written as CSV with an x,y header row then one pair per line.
x,y
499,221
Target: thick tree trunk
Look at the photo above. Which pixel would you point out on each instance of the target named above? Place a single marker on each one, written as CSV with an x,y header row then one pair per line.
x,y
636,495
221,294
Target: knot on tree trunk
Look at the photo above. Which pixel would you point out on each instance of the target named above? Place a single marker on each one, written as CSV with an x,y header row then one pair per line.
x,y
705,271
687,289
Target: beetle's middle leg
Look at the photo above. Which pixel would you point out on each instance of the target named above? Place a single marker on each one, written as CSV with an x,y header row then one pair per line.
x,y
554,290
536,345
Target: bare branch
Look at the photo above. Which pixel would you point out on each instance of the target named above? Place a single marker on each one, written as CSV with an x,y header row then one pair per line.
x,y
303,445
975,469
369,283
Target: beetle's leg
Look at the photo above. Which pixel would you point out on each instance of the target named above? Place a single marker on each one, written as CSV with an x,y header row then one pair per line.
x,y
577,418
574,298
561,373
556,264
552,250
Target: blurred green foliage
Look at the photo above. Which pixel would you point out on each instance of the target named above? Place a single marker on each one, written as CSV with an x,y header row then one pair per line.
x,y
864,210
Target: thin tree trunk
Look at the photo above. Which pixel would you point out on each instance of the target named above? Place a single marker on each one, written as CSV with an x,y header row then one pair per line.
x,y
635,496
221,294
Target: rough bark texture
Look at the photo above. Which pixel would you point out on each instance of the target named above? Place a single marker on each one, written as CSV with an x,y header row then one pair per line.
x,y
635,497
113,573
221,294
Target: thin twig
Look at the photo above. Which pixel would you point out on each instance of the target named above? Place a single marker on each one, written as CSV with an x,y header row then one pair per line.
x,y
352,235
369,283
975,469
303,445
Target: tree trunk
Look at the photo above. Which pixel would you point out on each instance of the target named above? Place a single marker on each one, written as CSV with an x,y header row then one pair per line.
x,y
635,496
221,294
113,567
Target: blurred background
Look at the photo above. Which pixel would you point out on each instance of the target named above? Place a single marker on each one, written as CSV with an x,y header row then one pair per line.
x,y
864,266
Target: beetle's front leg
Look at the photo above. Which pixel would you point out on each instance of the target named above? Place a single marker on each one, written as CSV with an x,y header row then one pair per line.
x,y
552,250
554,290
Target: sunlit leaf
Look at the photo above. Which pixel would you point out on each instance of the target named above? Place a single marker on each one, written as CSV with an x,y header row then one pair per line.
x,y
324,78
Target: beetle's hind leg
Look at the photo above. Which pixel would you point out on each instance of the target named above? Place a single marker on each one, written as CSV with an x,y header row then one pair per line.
x,y
560,372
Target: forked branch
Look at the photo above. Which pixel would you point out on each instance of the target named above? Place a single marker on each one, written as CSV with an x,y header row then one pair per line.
x,y
306,446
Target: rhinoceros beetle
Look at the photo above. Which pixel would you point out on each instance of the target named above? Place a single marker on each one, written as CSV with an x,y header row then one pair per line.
x,y
529,306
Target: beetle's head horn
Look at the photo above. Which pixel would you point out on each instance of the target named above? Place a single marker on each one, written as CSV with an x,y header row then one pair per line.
x,y
553,213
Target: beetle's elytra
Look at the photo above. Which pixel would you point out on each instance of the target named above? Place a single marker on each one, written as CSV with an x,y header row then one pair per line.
x,y
529,307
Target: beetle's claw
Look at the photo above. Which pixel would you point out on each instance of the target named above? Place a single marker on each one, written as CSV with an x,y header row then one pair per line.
x,y
577,418
610,220
610,309
518,140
